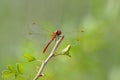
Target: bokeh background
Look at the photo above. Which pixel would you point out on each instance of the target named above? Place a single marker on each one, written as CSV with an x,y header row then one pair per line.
x,y
95,52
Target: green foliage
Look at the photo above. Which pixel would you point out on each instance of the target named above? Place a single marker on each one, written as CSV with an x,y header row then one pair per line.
x,y
29,57
66,50
11,68
12,71
6,74
19,68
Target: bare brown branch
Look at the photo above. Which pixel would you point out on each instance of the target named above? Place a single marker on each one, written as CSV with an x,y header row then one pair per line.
x,y
39,74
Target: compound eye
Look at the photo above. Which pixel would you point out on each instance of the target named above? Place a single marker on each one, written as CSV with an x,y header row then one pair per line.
x,y
58,32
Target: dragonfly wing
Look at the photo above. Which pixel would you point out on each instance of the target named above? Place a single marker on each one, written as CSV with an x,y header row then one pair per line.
x,y
37,35
73,36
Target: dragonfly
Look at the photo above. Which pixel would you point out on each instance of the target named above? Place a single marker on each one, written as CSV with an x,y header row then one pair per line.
x,y
55,35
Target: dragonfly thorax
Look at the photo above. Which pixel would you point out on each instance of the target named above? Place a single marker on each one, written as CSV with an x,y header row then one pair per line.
x,y
58,32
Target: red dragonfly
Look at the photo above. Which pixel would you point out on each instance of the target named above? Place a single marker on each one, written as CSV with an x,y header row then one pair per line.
x,y
54,35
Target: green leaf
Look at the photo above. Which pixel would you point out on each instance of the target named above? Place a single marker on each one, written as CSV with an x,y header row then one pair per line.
x,y
29,57
19,68
66,50
6,74
11,68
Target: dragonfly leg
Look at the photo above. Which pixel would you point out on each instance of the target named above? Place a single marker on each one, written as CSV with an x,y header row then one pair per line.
x,y
57,37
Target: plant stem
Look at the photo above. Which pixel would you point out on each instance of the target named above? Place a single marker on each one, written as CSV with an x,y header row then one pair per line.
x,y
39,74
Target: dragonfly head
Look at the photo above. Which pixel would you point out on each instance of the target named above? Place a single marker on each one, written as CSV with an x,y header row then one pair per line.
x,y
58,32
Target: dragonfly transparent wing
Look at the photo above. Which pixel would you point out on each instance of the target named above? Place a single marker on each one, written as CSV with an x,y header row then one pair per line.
x,y
38,36
72,35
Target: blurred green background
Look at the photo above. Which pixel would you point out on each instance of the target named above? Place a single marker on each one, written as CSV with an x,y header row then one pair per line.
x,y
95,53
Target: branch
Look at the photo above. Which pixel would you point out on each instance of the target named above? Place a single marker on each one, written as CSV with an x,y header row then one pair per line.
x,y
39,74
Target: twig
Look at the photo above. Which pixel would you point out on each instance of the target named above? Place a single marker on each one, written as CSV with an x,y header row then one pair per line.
x,y
39,74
